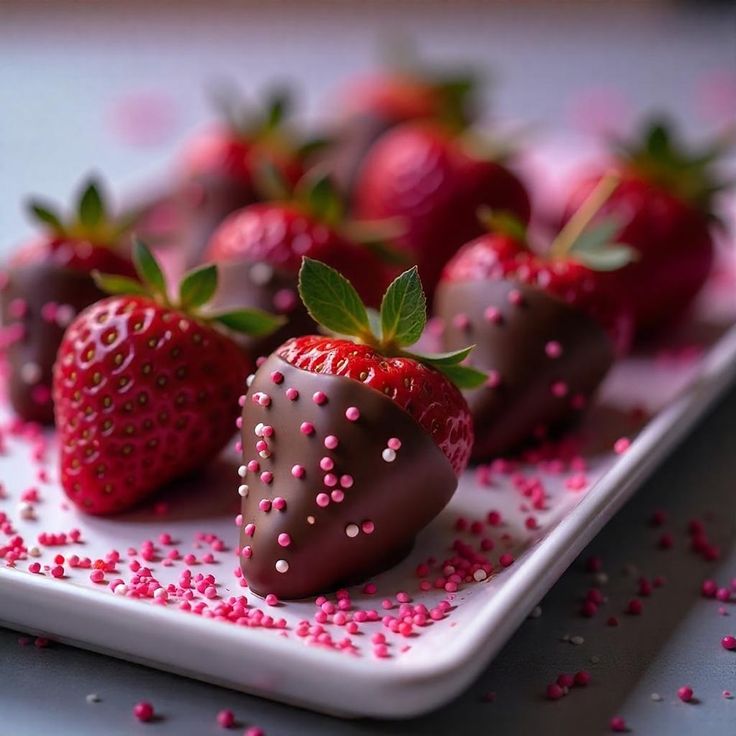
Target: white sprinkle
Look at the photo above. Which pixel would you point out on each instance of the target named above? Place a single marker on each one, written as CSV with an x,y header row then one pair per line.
x,y
242,471
260,273
120,589
601,578
243,490
656,697
30,373
388,455
352,530
258,429
160,594
250,379
594,659
282,566
27,511
34,552
93,698
480,574
265,454
310,519
577,640
565,637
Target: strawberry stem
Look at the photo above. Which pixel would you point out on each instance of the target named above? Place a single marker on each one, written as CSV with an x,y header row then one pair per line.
x,y
575,226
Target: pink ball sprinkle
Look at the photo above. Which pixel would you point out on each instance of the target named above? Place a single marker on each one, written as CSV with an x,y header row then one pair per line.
x,y
330,480
723,595
57,571
352,413
494,379
323,500
331,442
553,349
346,481
279,503
565,680
271,600
226,718
298,471
368,527
277,377
515,297
559,389
554,691
618,724
621,445
582,678
337,496
506,560
685,694
326,463
264,505
143,711
266,477
709,588
319,398
292,394
492,314
635,607
254,731
394,443
729,642
306,428
284,539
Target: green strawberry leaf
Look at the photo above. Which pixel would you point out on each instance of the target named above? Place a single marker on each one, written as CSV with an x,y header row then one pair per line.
x,y
114,285
43,213
502,222
198,286
254,322
269,182
278,106
442,359
148,269
464,376
311,146
91,206
403,310
331,299
597,236
609,258
322,198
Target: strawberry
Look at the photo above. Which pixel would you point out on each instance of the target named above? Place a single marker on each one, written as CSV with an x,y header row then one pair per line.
x,y
664,209
145,389
370,106
350,446
263,244
47,281
218,166
429,177
546,327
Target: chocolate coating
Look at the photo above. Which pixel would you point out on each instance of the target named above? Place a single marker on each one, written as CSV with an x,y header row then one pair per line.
x,y
546,356
30,289
258,285
397,497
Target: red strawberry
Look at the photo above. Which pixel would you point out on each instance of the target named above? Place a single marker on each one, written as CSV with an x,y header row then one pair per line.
x,y
219,166
546,328
46,283
350,446
429,177
145,390
268,241
664,207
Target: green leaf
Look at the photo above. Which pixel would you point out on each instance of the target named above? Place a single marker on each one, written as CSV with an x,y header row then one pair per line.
x,y
597,236
441,359
658,139
278,106
464,376
331,299
609,258
147,267
322,198
403,310
269,182
46,215
198,286
91,206
502,222
114,284
253,322
311,146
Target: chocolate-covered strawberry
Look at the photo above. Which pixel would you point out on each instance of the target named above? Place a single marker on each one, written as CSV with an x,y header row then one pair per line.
x,y
434,180
146,387
351,445
665,209
46,283
260,249
219,166
545,327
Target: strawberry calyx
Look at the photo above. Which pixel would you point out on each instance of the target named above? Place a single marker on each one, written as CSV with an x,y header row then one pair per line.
x,y
662,158
196,290
92,221
333,303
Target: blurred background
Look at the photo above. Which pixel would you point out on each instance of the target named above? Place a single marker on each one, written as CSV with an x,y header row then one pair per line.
x,y
116,88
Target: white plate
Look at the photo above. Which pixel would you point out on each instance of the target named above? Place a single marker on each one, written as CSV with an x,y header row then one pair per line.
x,y
424,670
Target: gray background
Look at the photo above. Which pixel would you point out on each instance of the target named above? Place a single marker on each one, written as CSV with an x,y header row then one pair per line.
x,y
64,67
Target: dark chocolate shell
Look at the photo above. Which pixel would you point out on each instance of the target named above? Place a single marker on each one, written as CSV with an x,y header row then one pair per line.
x,y
337,481
545,359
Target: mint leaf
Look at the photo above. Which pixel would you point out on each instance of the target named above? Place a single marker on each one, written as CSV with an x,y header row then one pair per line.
x,y
147,267
253,322
114,284
91,207
403,310
464,376
331,299
609,258
198,286
45,214
440,359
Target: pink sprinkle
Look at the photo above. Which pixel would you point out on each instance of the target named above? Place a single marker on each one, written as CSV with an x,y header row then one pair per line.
x,y
709,588
461,321
330,480
266,477
634,607
621,445
326,463
723,595
506,560
352,413
331,442
298,471
249,530
264,505
618,724
493,314
277,377
319,398
279,503
226,719
253,466
143,711
346,481
292,394
306,428
272,600
553,349
323,500
685,694
284,539
394,443
554,691
494,379
97,576
337,496
582,678
515,297
247,552
559,389
368,527
729,642
57,571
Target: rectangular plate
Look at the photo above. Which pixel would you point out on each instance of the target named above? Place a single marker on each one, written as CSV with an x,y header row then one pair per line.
x,y
673,387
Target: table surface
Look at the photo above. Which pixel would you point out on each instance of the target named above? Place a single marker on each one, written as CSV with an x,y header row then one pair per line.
x,y
60,98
